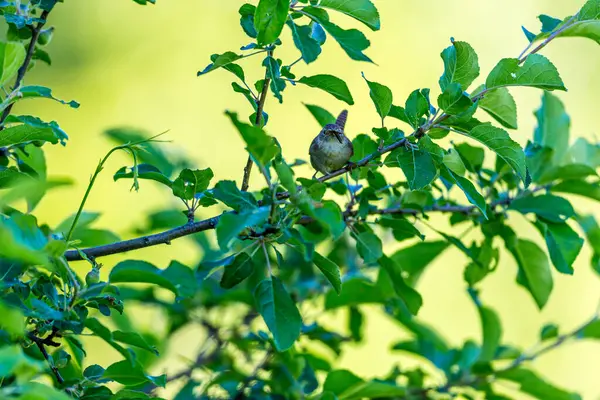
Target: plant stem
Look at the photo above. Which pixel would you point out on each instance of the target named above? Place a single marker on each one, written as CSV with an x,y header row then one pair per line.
x,y
35,34
259,110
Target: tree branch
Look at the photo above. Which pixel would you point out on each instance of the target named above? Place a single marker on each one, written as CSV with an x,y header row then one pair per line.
x,y
35,34
259,110
41,344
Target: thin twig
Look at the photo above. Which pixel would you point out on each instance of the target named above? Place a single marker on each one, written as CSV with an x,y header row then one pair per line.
x,y
41,343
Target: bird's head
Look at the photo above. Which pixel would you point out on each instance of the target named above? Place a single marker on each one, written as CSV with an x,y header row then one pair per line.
x,y
333,131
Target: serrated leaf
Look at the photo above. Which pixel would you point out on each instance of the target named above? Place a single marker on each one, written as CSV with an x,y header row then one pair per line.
x,y
330,84
191,183
461,65
279,312
453,100
415,107
269,18
231,225
361,10
500,104
31,92
302,36
237,271
417,165
25,133
381,96
499,141
228,193
537,71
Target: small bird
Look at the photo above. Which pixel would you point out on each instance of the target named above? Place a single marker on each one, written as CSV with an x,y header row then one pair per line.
x,y
331,149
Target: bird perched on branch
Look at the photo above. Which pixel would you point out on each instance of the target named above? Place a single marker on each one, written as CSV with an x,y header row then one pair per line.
x,y
331,149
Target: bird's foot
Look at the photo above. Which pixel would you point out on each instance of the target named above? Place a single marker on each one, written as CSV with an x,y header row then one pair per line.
x,y
411,146
351,165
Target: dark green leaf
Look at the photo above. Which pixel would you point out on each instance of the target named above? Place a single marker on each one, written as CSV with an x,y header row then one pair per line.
x,y
500,104
330,270
347,386
322,116
549,331
131,375
534,270
240,269
190,183
133,339
535,386
411,298
564,244
30,92
261,146
492,333
279,312
417,165
308,46
369,247
228,193
330,84
144,171
220,60
414,259
416,106
453,100
231,225
133,271
24,133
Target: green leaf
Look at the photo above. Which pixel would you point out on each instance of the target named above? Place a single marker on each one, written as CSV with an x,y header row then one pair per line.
x,y
269,19
567,172
31,92
417,165
24,133
414,259
133,339
499,141
302,36
453,100
105,334
471,155
286,176
400,226
535,386
12,55
144,171
454,162
585,24
240,269
492,333
416,106
22,240
411,298
470,191
261,146
534,270
279,312
330,270
361,10
247,12
228,193
537,71
171,278
273,72
132,375
581,188
461,65
551,208
330,84
564,244
500,104
549,331
583,152
352,41
13,320
381,96
190,183
369,247
592,232
553,126
322,116
220,60
347,386
231,225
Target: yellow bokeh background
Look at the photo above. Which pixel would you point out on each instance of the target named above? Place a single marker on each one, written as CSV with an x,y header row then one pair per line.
x,y
130,65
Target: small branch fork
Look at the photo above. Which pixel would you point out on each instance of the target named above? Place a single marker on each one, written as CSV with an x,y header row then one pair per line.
x,y
41,343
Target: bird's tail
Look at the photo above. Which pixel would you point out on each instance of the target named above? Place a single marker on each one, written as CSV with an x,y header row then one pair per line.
x,y
341,120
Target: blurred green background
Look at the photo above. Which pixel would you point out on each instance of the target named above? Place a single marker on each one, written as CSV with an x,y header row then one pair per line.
x,y
130,65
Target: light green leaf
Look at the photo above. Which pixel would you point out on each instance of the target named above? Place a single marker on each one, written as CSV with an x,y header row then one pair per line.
x,y
361,10
330,84
415,107
566,173
330,270
24,133
261,146
144,171
499,141
31,92
190,183
470,191
453,100
269,18
12,55
500,104
492,333
286,176
228,193
534,270
552,208
454,162
414,259
322,116
347,386
279,312
564,244
133,339
584,152
553,126
461,65
411,298
581,188
537,71
530,383
381,96
231,224
131,375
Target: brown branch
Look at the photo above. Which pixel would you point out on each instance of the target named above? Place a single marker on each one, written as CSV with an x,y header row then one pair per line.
x,y
259,110
35,34
41,343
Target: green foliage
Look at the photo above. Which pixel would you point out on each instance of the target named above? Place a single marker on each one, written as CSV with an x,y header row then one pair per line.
x,y
297,248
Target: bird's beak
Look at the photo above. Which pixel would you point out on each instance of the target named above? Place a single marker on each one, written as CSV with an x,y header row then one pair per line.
x,y
338,136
